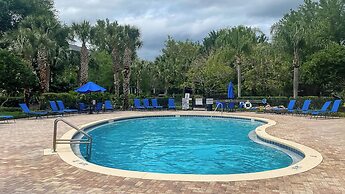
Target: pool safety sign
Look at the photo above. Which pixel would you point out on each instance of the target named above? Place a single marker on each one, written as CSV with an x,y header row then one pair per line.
x,y
185,101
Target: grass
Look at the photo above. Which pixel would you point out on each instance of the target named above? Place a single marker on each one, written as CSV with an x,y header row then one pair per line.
x,y
15,114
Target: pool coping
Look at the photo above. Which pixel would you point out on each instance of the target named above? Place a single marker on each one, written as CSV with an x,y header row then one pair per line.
x,y
311,159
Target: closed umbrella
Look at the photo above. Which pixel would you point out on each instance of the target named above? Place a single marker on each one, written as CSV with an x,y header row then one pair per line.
x,y
231,94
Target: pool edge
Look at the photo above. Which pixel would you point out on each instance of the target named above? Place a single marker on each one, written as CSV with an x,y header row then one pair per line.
x,y
312,157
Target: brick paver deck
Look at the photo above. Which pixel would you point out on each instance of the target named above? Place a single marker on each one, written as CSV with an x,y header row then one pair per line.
x,y
24,169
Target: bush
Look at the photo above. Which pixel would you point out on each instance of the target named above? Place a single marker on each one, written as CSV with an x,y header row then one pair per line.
x,y
11,101
10,109
15,74
69,99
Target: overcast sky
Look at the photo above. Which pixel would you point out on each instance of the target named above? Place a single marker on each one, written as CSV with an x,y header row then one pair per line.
x,y
181,19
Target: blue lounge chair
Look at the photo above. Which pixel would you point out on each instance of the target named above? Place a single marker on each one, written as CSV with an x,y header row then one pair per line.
x,y
6,118
322,111
289,109
55,109
28,112
98,107
62,107
305,108
171,103
334,108
83,107
155,104
146,104
137,104
108,106
231,106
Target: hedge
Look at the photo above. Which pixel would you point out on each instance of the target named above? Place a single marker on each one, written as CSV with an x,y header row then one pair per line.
x,y
12,101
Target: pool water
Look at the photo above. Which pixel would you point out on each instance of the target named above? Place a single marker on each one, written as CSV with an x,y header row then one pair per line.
x,y
183,145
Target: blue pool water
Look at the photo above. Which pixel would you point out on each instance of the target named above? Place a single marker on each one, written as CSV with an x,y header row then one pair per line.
x,y
183,145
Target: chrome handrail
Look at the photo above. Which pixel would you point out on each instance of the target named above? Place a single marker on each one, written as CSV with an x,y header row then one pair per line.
x,y
56,141
215,110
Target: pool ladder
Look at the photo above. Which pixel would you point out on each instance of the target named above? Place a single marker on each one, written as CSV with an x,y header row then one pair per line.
x,y
87,141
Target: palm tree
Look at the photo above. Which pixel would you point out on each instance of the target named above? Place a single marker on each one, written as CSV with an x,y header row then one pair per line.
x,y
83,31
241,39
289,35
209,42
40,33
131,41
108,36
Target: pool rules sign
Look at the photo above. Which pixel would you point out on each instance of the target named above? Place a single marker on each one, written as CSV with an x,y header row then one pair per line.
x,y
185,101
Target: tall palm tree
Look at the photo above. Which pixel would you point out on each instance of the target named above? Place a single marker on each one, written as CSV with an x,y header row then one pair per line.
x,y
131,41
108,36
40,32
289,35
83,32
241,39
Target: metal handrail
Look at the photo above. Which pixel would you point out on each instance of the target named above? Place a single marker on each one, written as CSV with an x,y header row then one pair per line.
x,y
215,110
56,141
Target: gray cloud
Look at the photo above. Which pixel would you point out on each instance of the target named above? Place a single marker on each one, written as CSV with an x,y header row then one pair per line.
x,y
181,19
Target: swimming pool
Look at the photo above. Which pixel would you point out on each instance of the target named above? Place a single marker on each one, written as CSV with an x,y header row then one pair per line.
x,y
183,145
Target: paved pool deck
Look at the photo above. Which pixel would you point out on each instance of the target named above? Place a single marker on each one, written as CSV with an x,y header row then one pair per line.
x,y
24,168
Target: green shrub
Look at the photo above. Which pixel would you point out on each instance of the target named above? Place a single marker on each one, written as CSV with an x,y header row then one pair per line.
x,y
10,109
69,99
11,101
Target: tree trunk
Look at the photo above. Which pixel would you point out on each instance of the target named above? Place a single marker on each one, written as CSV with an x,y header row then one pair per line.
x,y
84,65
239,77
296,65
116,71
138,79
44,70
126,76
295,81
138,91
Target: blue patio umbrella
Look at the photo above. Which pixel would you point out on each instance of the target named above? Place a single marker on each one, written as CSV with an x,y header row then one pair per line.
x,y
231,94
90,87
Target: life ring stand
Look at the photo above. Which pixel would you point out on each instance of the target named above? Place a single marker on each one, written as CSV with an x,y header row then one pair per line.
x,y
248,105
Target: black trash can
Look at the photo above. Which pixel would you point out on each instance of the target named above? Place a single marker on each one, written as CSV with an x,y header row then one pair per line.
x,y
209,107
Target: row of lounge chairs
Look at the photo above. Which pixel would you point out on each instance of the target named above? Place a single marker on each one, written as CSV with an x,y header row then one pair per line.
x,y
323,112
154,104
58,108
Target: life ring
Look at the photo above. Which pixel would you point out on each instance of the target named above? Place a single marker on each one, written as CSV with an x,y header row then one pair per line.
x,y
247,105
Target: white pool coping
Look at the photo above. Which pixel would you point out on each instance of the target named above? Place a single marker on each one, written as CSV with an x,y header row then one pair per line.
x,y
312,157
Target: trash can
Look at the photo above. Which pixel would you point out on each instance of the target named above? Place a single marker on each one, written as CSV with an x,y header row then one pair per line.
x,y
209,104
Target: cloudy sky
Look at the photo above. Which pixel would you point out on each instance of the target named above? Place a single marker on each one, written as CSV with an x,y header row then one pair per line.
x,y
181,19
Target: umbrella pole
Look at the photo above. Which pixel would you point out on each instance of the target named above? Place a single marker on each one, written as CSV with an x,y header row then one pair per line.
x,y
90,105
